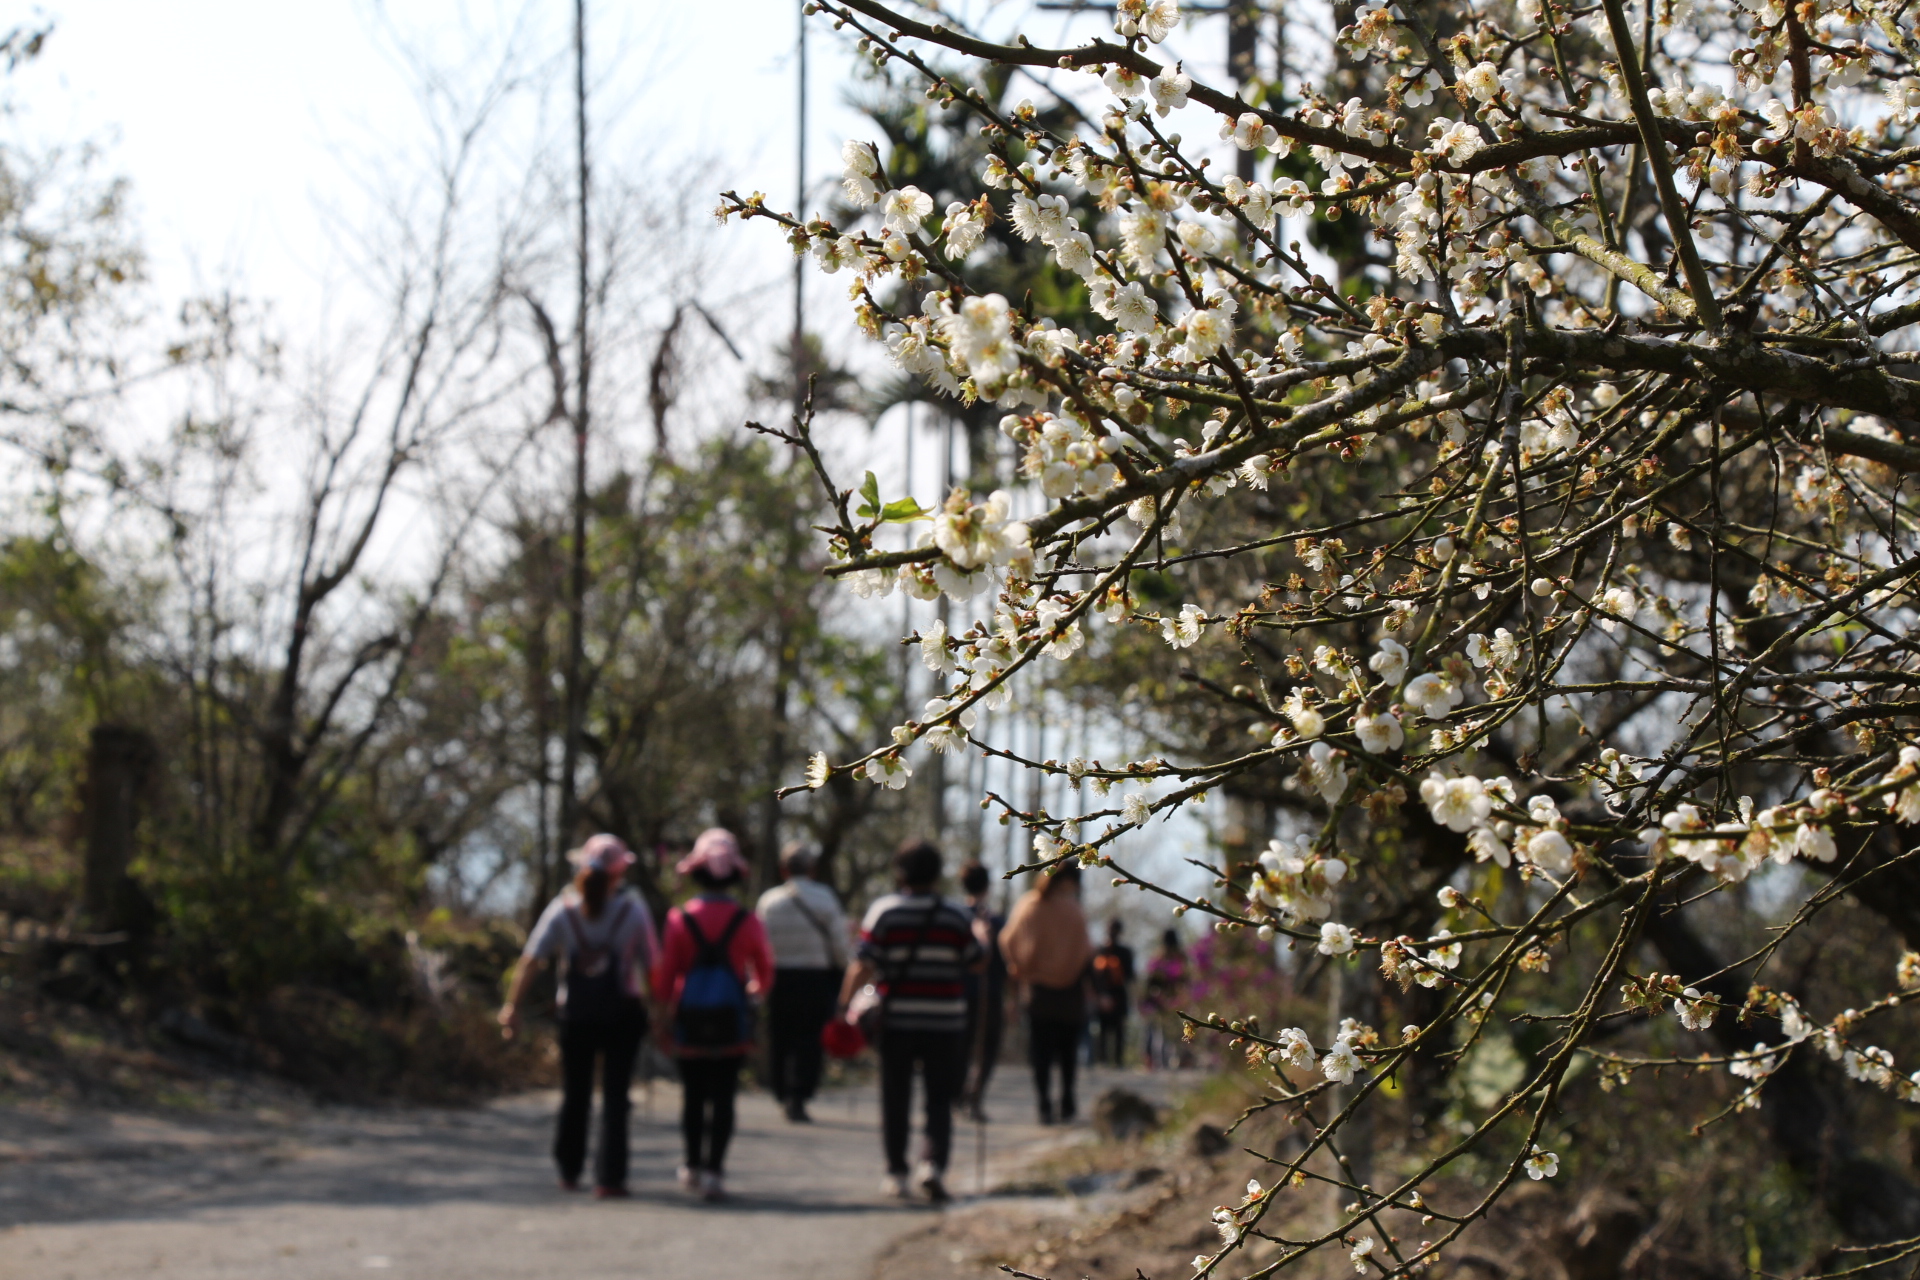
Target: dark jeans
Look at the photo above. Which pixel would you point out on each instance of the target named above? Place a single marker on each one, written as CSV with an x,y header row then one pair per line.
x,y
1110,1045
799,1005
707,1087
1053,1043
615,1042
942,1057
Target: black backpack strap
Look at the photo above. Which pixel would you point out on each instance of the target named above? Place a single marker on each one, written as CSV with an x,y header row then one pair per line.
x,y
699,938
714,952
723,945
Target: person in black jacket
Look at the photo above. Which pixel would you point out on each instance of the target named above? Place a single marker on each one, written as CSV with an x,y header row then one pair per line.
x,y
1112,997
986,992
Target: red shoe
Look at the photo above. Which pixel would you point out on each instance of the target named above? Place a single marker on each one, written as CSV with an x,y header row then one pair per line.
x,y
569,1184
609,1193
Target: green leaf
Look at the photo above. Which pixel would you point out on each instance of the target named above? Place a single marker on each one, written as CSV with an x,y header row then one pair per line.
x,y
903,510
870,492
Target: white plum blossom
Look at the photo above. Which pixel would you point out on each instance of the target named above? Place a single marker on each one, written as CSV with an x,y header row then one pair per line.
x,y
933,648
861,167
1135,809
1125,82
1129,306
889,771
1542,1164
976,535
905,208
1293,883
1814,842
1870,1065
1169,90
1482,80
963,229
1756,1065
1458,804
818,770
1327,772
1362,1253
1621,601
953,732
1694,1010
1550,851
1457,141
1152,19
1389,662
1335,939
1487,846
1434,695
1207,332
1249,131
1295,1048
1379,732
1307,720
1184,631
1341,1063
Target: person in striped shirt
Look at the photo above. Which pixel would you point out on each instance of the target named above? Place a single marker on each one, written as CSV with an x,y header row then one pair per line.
x,y
916,948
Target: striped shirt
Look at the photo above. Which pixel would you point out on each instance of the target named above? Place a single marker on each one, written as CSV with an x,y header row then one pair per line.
x,y
922,946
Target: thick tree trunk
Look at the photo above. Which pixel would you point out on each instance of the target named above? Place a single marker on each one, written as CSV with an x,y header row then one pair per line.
x,y
1804,1105
120,763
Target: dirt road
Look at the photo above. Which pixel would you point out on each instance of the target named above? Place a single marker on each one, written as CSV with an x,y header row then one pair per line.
x,y
460,1195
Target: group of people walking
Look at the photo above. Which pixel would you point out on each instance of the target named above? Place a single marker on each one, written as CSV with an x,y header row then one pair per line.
x,y
925,981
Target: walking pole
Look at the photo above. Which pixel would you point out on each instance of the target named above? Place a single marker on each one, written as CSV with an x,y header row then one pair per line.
x,y
980,1158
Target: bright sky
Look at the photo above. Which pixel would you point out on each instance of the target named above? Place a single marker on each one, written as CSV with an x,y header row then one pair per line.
x,y
239,121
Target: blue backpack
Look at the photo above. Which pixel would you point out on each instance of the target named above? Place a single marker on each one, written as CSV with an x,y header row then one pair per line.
x,y
714,1012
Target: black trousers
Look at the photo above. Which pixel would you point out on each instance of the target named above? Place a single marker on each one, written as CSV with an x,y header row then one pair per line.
x,y
798,1006
1052,1043
614,1042
707,1089
942,1058
1110,1045
986,1023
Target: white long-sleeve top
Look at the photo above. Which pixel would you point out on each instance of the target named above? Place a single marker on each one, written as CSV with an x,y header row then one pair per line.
x,y
805,924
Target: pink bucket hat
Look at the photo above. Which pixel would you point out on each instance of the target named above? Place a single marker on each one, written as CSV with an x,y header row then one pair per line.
x,y
603,853
715,852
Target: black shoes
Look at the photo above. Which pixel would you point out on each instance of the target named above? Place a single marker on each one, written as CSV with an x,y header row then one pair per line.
x,y
797,1112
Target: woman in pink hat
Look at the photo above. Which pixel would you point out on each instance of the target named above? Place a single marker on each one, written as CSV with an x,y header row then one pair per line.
x,y
714,965
606,935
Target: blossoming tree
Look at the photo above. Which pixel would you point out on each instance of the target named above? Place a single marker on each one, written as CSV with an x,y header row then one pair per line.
x,y
1620,606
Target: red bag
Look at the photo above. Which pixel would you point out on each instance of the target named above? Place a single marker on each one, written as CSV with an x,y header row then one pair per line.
x,y
841,1039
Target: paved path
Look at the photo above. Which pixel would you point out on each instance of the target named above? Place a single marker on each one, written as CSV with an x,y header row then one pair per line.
x,y
464,1195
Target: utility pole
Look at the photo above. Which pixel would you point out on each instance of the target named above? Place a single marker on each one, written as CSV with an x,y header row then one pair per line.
x,y
575,673
800,211
785,640
1243,18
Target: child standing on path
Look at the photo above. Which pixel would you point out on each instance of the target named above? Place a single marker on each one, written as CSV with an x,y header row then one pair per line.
x,y
714,964
606,935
